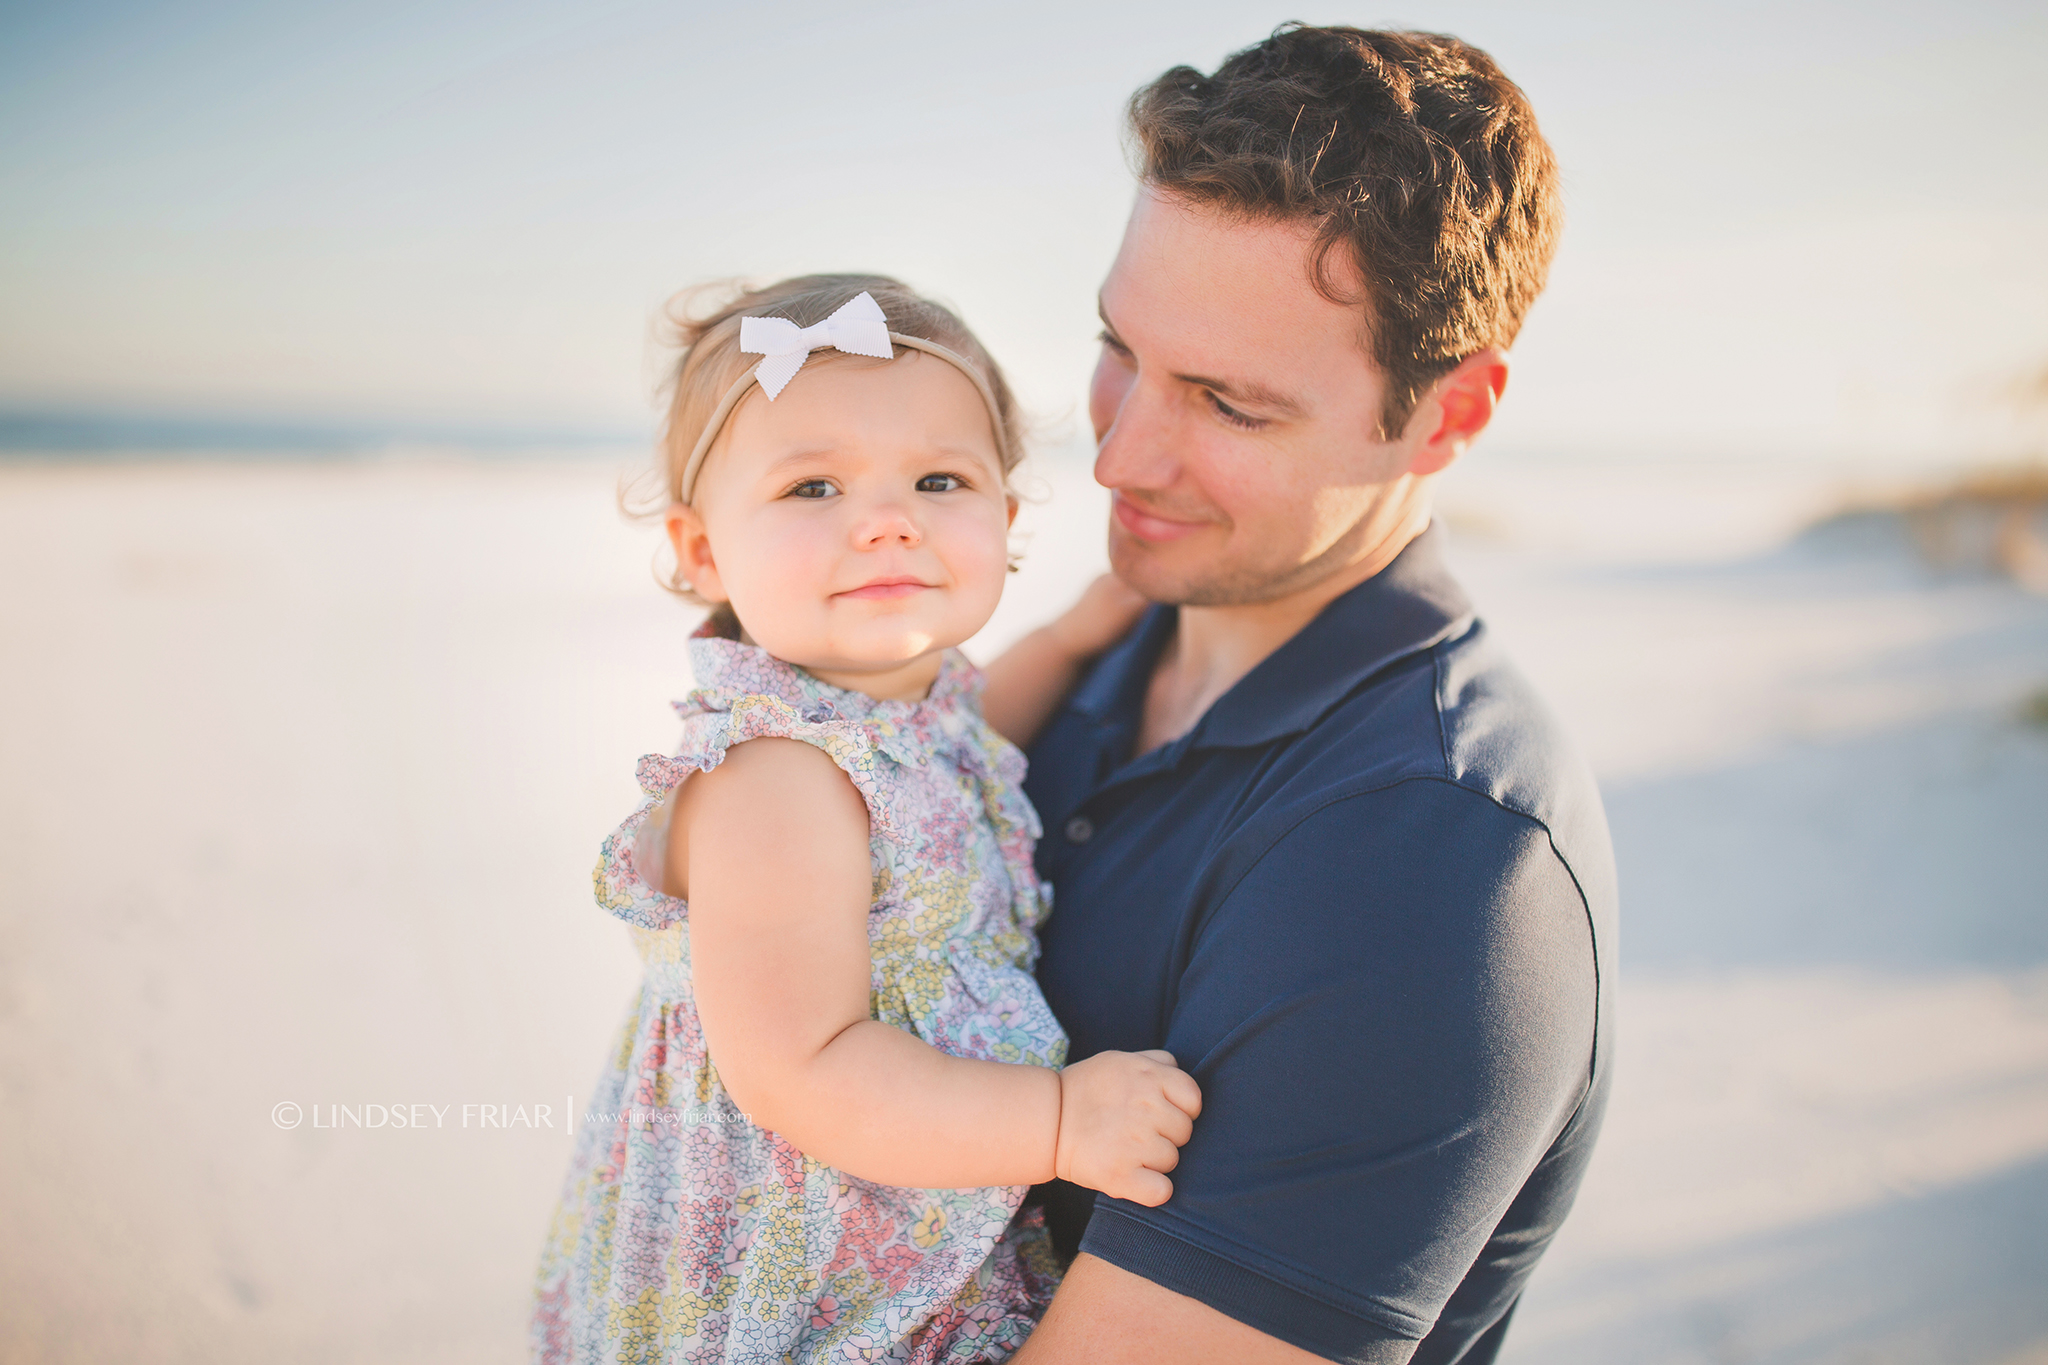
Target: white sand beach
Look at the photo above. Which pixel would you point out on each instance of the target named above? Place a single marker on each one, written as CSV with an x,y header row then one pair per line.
x,y
306,766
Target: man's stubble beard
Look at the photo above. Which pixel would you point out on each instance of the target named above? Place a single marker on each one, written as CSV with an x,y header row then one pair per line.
x,y
1244,585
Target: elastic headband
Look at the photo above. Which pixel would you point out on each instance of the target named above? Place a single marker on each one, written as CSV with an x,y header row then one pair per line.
x,y
797,345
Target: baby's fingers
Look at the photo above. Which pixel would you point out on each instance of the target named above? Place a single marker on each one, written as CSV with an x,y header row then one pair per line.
x,y
1160,1155
1146,1187
1174,1125
1156,1054
1185,1094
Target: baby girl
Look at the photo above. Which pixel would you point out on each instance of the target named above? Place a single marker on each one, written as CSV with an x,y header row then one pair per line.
x,y
839,1078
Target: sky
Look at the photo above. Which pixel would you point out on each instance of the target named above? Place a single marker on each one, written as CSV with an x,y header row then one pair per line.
x,y
1794,230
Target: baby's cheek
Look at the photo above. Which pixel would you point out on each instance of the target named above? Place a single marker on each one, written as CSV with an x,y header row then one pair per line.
x,y
976,548
775,587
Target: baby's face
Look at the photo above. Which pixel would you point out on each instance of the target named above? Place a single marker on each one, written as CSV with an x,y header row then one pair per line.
x,y
858,524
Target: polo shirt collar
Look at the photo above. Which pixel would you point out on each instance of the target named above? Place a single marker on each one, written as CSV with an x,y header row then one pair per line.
x,y
1413,604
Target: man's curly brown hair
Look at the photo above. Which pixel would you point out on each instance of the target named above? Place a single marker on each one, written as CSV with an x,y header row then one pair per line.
x,y
1411,151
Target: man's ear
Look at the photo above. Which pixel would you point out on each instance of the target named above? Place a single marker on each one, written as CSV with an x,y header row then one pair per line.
x,y
692,544
1011,520
1460,405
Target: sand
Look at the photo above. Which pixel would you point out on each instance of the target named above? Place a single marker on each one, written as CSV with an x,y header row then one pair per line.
x,y
306,768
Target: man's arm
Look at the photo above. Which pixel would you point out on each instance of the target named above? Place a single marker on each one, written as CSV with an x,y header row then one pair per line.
x,y
1390,1012
1105,1315
1027,680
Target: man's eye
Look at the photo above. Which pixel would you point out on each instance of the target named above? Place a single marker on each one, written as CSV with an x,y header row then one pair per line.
x,y
1233,416
939,483
1106,339
813,489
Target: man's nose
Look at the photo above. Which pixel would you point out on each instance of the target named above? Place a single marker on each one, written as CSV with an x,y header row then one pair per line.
x,y
1137,450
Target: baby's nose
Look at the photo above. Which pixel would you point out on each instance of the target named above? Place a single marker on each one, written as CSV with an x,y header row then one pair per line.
x,y
886,522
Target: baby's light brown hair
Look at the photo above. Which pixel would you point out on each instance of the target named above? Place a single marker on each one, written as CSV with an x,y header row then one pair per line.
x,y
711,362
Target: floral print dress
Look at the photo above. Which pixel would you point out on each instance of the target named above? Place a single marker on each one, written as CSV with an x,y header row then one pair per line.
x,y
686,1233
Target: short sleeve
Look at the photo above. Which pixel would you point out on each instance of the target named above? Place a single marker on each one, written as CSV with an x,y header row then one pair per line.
x,y
708,734
1390,1010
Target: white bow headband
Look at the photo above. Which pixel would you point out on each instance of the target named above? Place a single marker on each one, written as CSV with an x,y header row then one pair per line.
x,y
857,327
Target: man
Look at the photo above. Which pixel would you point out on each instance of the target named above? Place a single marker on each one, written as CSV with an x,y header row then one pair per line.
x,y
1308,831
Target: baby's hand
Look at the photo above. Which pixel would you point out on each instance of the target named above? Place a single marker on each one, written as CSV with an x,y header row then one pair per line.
x,y
1099,619
1123,1118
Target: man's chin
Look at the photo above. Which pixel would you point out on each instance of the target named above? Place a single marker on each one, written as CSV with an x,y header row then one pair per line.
x,y
1181,575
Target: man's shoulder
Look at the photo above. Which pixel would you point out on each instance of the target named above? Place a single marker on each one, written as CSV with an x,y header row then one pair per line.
x,y
1458,710
1456,726
1499,736
1502,740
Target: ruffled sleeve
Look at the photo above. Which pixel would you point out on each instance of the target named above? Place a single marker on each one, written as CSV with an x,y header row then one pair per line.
x,y
712,724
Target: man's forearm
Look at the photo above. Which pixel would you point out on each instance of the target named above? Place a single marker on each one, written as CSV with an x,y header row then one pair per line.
x,y
1026,682
1029,679
1105,1315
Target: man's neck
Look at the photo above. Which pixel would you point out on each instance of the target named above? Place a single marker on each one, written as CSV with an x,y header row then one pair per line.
x,y
1213,647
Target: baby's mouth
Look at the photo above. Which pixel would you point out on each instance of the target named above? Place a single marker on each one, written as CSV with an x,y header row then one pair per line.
x,y
882,588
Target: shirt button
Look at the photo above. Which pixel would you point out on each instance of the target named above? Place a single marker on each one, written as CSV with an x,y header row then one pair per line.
x,y
1080,830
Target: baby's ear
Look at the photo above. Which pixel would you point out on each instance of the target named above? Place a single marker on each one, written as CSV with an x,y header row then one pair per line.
x,y
1010,500
692,543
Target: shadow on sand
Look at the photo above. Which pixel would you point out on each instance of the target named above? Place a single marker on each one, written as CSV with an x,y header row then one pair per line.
x,y
1887,830
1954,1275
1919,848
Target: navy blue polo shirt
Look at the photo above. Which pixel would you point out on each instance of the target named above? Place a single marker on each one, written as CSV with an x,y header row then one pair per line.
x,y
1368,902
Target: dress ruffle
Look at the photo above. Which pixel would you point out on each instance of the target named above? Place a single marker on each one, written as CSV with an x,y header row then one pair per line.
x,y
712,724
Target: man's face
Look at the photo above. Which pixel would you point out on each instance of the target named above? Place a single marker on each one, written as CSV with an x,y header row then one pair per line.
x,y
1235,412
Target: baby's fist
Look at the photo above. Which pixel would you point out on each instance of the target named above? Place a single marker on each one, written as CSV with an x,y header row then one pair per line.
x,y
1123,1119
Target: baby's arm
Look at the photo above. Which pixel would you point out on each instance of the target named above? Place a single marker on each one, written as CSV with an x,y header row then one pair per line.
x,y
1027,680
771,848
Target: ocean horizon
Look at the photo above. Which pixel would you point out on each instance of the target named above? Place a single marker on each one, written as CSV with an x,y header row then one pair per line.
x,y
85,434
56,433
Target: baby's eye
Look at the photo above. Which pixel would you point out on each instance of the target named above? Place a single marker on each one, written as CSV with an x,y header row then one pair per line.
x,y
940,483
813,489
